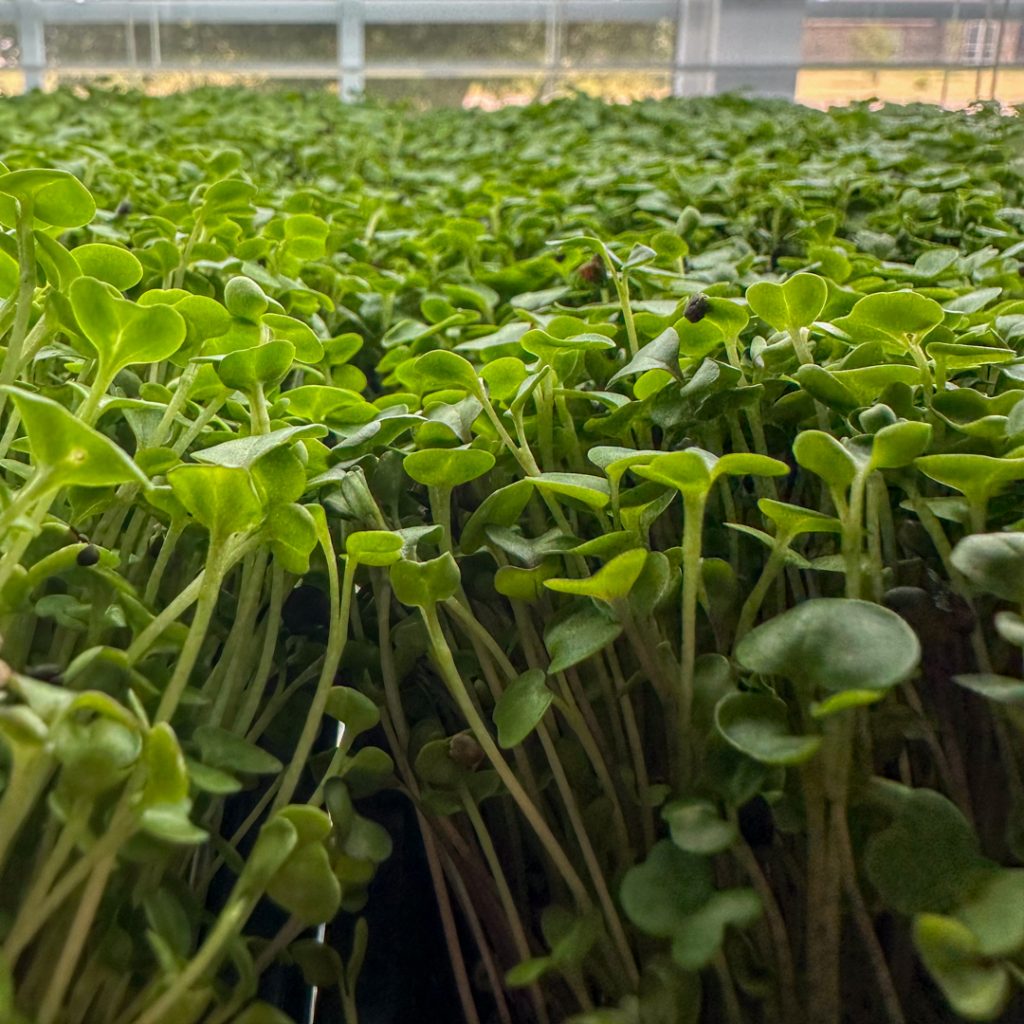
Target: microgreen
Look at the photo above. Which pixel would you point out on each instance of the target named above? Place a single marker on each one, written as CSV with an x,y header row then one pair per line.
x,y
641,508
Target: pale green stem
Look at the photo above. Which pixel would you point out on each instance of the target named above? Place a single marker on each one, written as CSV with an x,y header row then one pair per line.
x,y
174,531
25,784
217,564
259,411
81,926
853,535
336,640
752,605
456,687
186,256
693,529
88,411
441,509
257,686
242,630
27,496
57,857
622,290
10,433
198,424
12,556
927,380
184,600
176,404
508,903
26,289
230,922
543,398
30,919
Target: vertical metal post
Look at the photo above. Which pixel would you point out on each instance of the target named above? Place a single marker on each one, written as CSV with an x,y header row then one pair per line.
x,y
155,53
953,30
351,50
553,28
997,57
697,29
131,50
32,43
758,46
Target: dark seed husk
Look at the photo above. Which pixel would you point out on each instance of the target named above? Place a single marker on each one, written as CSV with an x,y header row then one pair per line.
x,y
696,308
89,555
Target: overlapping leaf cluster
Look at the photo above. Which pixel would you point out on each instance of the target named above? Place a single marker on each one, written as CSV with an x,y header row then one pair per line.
x,y
637,490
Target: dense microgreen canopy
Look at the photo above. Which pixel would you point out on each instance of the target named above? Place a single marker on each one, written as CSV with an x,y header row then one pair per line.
x,y
633,493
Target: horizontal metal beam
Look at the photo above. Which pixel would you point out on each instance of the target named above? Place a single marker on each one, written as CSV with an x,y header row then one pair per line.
x,y
444,12
475,69
375,12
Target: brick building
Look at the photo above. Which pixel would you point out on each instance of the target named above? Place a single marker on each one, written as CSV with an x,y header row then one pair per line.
x,y
910,40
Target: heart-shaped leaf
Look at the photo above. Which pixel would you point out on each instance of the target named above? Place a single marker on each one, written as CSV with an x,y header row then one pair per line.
x,y
447,467
612,582
69,452
222,498
758,725
833,644
994,563
423,584
792,305
56,197
521,707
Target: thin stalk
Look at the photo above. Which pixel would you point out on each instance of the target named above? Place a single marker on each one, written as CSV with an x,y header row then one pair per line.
x,y
622,291
459,967
88,411
457,689
693,528
776,927
336,640
195,235
286,934
730,1001
441,511
853,535
229,923
597,876
25,784
393,700
174,531
176,404
563,785
636,750
10,432
281,697
77,936
243,631
523,456
755,599
31,918
258,682
26,289
865,926
209,411
185,599
259,411
927,379
508,903
57,857
876,563
209,591
543,398
12,556
822,946
825,788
